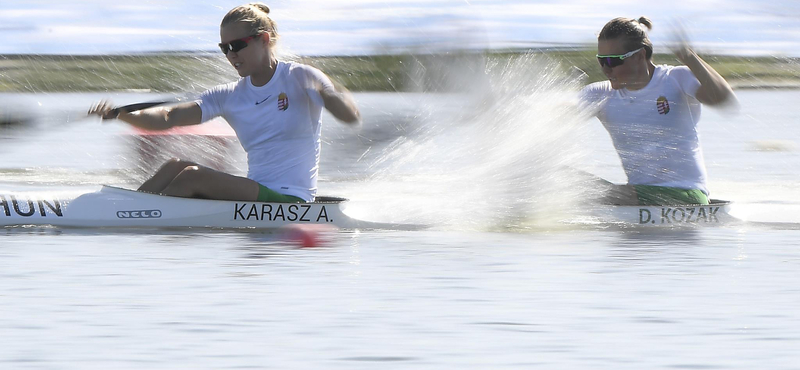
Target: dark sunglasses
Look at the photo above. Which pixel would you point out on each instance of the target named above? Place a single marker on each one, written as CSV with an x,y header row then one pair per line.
x,y
237,44
616,60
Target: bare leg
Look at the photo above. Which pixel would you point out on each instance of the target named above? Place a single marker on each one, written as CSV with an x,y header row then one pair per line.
x,y
203,182
164,176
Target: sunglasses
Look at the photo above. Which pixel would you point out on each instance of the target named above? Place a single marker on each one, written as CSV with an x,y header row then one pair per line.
x,y
616,60
237,44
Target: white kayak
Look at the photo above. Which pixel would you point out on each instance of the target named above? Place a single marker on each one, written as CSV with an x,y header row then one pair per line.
x,y
114,207
718,212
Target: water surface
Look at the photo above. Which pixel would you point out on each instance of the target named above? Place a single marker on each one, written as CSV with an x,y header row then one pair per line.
x,y
491,285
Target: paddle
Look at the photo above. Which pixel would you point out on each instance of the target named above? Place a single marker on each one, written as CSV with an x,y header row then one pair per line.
x,y
25,116
115,111
139,106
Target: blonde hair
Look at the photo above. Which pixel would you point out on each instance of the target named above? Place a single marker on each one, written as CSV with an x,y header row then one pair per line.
x,y
255,16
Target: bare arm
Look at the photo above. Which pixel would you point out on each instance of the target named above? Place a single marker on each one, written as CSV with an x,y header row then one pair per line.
x,y
156,118
714,90
341,104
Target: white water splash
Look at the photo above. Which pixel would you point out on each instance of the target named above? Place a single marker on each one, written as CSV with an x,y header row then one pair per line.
x,y
493,156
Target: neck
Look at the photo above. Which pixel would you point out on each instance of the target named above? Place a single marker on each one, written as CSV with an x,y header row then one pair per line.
x,y
264,75
643,78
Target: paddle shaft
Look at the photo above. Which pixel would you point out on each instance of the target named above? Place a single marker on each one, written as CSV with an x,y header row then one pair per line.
x,y
138,106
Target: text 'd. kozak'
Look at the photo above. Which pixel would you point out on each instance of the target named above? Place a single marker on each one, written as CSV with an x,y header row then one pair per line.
x,y
679,215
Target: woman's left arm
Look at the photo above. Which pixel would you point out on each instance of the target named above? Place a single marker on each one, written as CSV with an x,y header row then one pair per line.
x,y
341,104
714,90
335,97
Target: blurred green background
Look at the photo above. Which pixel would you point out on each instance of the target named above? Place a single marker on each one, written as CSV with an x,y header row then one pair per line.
x,y
193,72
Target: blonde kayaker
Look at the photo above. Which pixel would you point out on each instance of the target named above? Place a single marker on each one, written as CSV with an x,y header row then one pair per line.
x,y
275,109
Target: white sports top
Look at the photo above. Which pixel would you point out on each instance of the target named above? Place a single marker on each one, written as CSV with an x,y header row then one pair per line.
x,y
278,125
654,129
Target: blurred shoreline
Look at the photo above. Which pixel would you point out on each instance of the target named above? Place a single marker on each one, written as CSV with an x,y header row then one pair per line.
x,y
195,72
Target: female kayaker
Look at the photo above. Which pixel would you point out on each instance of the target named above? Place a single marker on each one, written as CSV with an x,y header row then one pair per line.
x,y
274,108
651,113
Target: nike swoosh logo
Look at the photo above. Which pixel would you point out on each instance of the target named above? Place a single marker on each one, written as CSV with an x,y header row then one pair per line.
x,y
265,99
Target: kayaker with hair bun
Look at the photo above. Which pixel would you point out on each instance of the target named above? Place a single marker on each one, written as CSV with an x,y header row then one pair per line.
x,y
651,113
274,108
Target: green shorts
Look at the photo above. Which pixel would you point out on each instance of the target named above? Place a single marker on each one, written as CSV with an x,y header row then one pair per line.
x,y
665,196
266,194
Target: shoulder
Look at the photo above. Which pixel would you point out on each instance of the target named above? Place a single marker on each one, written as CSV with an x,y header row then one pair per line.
x,y
213,100
675,72
308,77
598,86
596,91
225,88
681,77
593,97
302,71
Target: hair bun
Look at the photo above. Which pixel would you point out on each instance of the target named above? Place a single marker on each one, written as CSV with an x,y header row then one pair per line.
x,y
645,22
261,6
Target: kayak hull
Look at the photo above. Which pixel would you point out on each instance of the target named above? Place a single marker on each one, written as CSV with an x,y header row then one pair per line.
x,y
718,212
113,207
117,207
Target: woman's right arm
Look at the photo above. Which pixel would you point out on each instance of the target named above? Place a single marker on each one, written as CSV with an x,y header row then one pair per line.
x,y
156,118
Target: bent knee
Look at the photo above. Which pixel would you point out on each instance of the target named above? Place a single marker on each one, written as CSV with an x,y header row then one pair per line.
x,y
193,181
178,164
191,173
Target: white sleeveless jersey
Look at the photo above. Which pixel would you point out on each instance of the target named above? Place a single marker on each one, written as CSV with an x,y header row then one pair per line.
x,y
654,129
278,125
